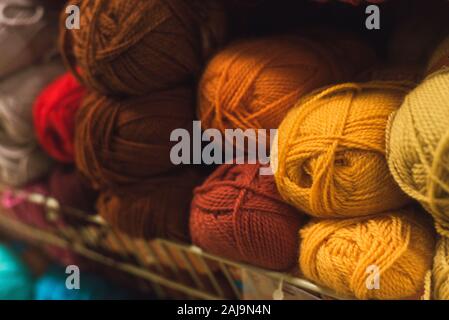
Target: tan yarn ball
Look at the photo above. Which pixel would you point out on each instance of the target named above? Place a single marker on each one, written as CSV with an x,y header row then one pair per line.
x,y
440,274
418,147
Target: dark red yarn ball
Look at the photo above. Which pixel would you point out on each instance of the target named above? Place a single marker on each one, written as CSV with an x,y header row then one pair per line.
x,y
54,116
238,214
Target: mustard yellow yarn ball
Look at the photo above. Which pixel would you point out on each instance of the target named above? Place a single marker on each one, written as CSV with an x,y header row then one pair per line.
x,y
418,146
348,255
330,157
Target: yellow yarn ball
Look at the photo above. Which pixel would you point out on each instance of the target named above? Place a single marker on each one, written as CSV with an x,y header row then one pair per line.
x,y
330,157
342,254
418,147
440,276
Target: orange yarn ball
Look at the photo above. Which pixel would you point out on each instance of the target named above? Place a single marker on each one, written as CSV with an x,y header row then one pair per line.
x,y
253,83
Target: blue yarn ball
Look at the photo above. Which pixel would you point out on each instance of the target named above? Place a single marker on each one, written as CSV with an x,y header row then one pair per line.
x,y
16,281
52,286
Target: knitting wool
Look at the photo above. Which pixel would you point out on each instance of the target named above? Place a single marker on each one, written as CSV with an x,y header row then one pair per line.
x,y
136,47
440,272
440,58
342,254
120,142
21,159
155,209
418,147
247,86
238,214
330,157
16,282
54,117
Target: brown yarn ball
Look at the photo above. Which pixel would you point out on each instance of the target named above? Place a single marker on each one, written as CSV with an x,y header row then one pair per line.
x,y
135,47
121,142
159,208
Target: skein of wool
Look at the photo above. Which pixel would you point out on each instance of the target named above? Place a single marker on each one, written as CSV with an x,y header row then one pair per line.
x,y
54,117
21,159
440,272
155,209
135,47
52,286
247,86
330,157
238,214
440,58
124,142
16,282
341,253
418,147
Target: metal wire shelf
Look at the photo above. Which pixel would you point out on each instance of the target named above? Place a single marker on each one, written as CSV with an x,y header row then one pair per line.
x,y
171,270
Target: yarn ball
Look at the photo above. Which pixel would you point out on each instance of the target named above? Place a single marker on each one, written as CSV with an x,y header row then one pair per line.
x,y
342,254
440,57
120,142
246,86
154,209
21,159
54,117
418,147
238,214
16,282
440,272
330,157
52,286
135,47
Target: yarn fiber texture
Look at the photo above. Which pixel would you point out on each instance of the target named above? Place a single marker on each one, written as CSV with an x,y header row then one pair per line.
x,y
238,214
54,114
418,147
121,142
440,274
135,47
330,157
16,282
247,85
337,253
21,159
156,209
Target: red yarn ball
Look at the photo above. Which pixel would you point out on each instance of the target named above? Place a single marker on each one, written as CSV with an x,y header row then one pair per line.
x,y
54,116
238,214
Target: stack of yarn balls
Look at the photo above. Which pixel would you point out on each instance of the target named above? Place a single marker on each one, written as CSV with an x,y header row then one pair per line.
x,y
418,155
358,147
